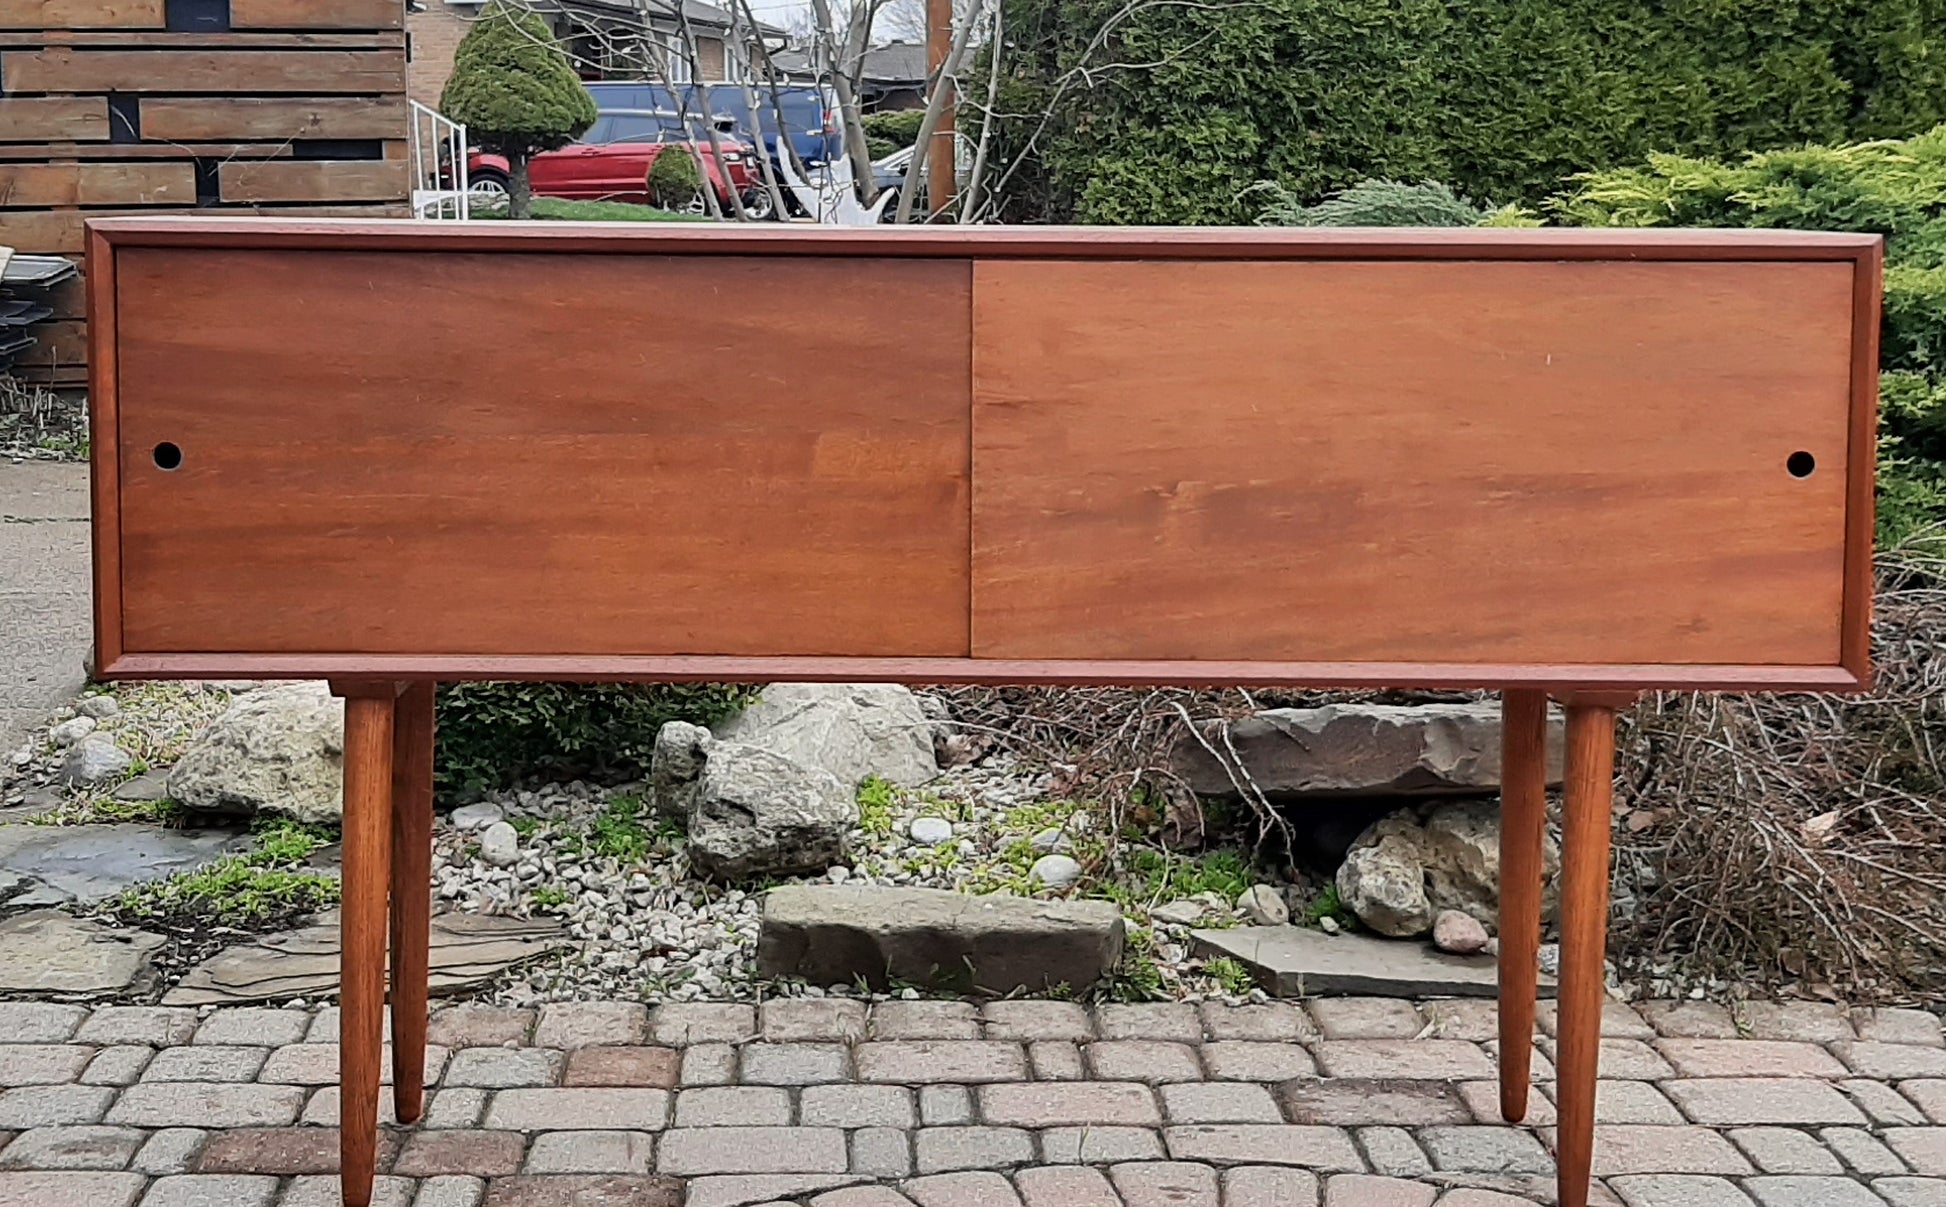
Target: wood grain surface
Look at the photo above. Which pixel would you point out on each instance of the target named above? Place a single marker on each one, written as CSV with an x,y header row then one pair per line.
x,y
530,455
54,118
23,184
1544,459
1523,834
80,69
1543,462
313,180
317,14
82,14
195,119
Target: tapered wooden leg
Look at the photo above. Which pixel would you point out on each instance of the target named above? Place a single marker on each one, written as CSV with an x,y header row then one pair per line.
x,y
1523,822
412,738
361,995
1584,938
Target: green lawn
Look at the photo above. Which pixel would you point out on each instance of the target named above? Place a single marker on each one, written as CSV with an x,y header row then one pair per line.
x,y
556,209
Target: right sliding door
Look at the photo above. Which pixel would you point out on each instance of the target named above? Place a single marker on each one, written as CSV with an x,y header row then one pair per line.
x,y
1399,461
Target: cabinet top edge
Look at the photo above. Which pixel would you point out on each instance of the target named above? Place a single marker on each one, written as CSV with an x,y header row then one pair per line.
x,y
988,242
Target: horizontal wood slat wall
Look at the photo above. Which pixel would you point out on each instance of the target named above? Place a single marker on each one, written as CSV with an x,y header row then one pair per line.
x,y
288,107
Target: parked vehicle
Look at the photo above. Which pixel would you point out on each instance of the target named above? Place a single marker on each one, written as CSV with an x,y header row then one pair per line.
x,y
889,174
810,112
611,163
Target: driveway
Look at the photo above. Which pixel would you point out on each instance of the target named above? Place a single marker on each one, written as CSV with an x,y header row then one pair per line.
x,y
44,591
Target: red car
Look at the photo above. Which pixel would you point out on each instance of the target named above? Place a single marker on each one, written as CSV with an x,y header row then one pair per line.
x,y
612,161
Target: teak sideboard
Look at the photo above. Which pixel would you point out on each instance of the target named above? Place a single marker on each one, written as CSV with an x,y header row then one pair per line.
x,y
1577,464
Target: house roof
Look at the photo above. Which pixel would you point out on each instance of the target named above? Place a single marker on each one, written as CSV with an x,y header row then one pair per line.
x,y
698,12
892,62
896,61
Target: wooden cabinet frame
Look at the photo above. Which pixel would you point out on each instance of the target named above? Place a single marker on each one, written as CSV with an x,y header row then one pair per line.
x,y
1577,464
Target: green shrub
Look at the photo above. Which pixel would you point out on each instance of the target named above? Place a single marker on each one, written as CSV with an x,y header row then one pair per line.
x,y
675,178
1371,203
490,734
888,132
1502,99
515,92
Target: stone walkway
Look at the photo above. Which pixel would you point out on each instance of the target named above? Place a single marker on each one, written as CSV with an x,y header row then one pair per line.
x,y
44,591
1347,1102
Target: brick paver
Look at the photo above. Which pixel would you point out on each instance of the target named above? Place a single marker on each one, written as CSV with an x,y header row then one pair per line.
x,y
1100,1145
658,1068
253,1026
1078,1103
837,1103
471,1025
584,1024
39,1022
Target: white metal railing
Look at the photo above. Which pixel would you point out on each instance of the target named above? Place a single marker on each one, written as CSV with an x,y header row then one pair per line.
x,y
439,183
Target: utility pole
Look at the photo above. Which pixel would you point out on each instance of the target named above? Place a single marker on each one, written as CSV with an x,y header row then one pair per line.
x,y
941,161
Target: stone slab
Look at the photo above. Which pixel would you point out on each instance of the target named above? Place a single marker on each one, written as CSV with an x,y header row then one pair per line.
x,y
832,934
95,862
48,952
1295,961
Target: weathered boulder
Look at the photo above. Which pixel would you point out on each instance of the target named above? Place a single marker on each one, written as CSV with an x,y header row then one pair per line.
x,y
676,767
836,934
1356,750
751,812
277,750
852,730
70,731
94,760
1413,864
1383,881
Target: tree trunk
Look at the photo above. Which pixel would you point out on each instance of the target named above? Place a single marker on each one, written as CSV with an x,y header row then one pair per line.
x,y
520,192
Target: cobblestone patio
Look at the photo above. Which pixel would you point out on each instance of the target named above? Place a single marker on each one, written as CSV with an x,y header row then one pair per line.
x,y
1345,1102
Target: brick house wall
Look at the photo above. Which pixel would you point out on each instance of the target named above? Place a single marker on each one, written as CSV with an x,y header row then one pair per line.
x,y
435,36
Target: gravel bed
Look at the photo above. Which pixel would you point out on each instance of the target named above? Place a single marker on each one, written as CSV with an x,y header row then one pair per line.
x,y
598,858
647,927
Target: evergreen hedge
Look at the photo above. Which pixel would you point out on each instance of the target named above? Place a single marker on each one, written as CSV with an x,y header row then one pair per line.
x,y
890,131
1501,99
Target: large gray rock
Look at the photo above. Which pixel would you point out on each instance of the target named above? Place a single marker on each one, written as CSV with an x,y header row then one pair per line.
x,y
1356,750
750,812
49,952
1294,961
277,750
1412,865
838,933
852,730
94,760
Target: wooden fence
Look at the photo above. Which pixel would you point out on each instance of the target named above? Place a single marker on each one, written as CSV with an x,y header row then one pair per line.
x,y
290,107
